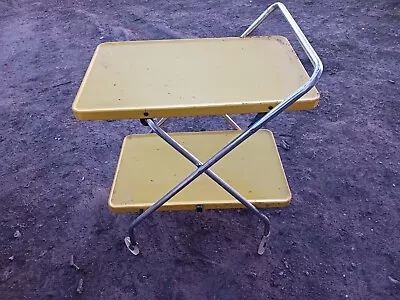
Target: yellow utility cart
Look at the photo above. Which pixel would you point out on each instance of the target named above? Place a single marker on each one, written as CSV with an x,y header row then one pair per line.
x,y
196,77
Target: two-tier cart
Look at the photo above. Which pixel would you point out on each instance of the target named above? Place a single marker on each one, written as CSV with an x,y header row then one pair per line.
x,y
196,77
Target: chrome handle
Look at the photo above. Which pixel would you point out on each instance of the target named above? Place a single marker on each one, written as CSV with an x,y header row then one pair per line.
x,y
305,44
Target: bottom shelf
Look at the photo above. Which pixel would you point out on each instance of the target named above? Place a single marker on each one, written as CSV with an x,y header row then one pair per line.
x,y
148,168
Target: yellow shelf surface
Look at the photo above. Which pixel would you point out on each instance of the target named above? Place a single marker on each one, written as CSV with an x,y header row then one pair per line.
x,y
148,168
190,77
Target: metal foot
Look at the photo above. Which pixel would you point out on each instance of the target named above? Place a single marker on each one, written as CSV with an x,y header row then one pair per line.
x,y
130,241
264,239
263,245
134,249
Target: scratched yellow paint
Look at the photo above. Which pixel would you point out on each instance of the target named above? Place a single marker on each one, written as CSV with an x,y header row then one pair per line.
x,y
190,77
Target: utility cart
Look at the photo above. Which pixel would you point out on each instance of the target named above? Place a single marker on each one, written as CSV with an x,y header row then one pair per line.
x,y
237,168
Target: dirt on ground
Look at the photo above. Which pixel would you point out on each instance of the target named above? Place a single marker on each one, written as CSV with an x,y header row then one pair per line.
x,y
339,238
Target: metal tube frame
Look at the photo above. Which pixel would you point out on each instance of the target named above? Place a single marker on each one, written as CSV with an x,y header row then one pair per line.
x,y
227,118
205,167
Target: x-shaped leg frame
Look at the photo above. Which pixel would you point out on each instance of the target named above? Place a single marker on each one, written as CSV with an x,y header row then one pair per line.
x,y
167,138
130,241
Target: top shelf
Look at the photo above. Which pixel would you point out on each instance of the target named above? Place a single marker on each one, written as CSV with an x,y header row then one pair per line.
x,y
190,77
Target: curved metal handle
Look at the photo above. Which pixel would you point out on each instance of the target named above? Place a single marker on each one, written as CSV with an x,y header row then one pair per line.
x,y
305,44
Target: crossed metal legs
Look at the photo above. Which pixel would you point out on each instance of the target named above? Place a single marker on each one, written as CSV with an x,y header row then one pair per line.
x,y
131,240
